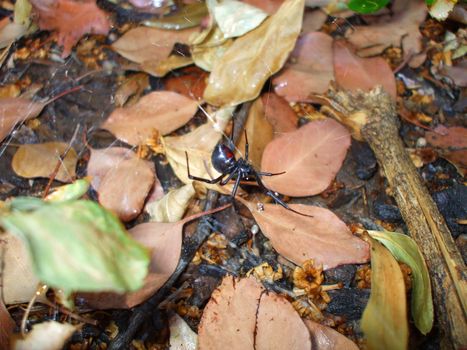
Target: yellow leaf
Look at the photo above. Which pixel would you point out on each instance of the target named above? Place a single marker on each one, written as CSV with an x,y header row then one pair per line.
x,y
172,206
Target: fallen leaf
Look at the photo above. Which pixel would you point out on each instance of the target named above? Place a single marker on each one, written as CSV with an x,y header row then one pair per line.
x,y
240,313
190,84
71,19
401,30
384,321
164,111
254,57
268,6
172,206
161,68
10,32
132,87
16,110
310,71
41,159
279,113
310,156
458,159
187,16
322,237
143,44
259,133
326,338
441,9
181,335
405,250
7,326
121,179
353,72
49,335
69,192
453,138
313,20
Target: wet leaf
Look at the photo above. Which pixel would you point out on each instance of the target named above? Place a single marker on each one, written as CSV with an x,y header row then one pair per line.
x,y
16,110
353,72
326,338
323,237
71,20
161,68
188,16
405,250
121,179
49,335
236,18
181,335
240,313
310,156
384,321
131,87
259,133
143,44
172,206
78,245
164,111
279,114
41,159
254,57
311,70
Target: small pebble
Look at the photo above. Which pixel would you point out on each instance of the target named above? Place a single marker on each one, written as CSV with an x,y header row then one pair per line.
x,y
421,142
254,229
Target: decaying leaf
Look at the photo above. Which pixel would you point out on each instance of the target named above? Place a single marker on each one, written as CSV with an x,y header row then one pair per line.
x,y
41,159
353,72
71,20
181,335
17,110
326,338
49,335
323,237
254,57
259,133
404,249
310,71
384,321
242,314
172,206
310,156
143,44
164,111
279,113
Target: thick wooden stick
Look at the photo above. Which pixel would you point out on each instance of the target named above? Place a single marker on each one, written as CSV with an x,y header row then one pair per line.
x,y
376,115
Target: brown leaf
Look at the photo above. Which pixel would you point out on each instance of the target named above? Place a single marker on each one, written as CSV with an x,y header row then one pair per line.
x,y
71,19
131,87
16,110
310,71
122,180
7,326
268,6
190,84
326,338
323,237
401,30
259,133
313,20
454,137
164,111
163,67
254,57
458,159
310,156
41,159
353,72
144,44
279,114
240,313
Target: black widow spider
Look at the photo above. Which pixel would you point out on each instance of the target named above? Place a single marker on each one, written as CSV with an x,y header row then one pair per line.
x,y
223,160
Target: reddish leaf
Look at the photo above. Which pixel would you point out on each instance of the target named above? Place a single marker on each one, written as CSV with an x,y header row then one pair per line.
x,y
310,156
190,84
162,111
279,113
454,137
241,314
310,71
323,237
268,6
326,338
71,19
7,326
353,72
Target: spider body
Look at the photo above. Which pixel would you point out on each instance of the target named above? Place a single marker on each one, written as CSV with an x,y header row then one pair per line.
x,y
223,158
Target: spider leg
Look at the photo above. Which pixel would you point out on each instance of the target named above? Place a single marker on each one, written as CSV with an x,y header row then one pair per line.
x,y
247,146
262,173
237,182
228,178
196,178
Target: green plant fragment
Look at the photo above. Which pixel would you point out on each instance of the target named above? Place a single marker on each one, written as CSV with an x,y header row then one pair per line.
x,y
366,6
69,192
77,245
404,249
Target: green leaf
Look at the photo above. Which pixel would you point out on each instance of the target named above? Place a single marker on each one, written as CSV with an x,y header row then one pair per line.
x,y
366,6
430,2
69,192
78,246
404,249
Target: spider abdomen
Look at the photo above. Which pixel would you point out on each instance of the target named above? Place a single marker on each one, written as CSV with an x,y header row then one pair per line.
x,y
223,158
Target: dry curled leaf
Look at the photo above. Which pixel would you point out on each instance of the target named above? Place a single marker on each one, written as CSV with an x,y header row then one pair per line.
x,y
130,88
322,237
164,111
242,314
41,159
310,156
310,70
71,19
49,335
172,206
254,57
326,338
279,113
